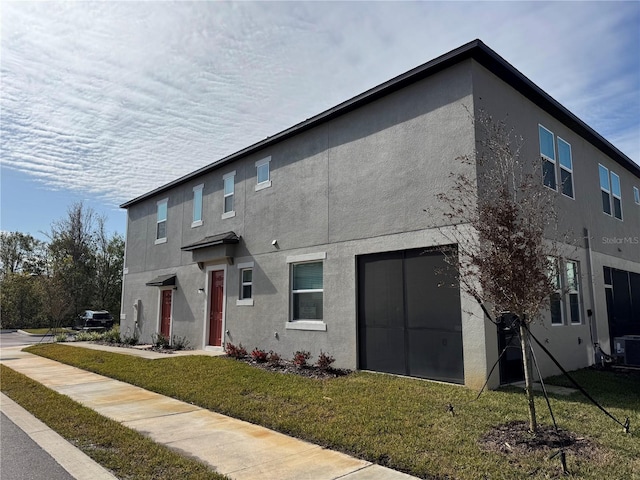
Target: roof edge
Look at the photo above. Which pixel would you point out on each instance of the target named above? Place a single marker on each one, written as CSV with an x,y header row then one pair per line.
x,y
475,49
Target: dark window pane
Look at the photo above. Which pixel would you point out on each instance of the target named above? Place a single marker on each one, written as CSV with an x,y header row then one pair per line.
x,y
549,174
307,276
617,208
606,203
556,309
162,230
246,291
567,184
607,276
307,306
574,307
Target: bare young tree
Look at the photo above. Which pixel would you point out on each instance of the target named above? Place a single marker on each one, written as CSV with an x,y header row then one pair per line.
x,y
504,223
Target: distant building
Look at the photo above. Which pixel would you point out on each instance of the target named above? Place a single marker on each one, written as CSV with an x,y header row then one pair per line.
x,y
316,239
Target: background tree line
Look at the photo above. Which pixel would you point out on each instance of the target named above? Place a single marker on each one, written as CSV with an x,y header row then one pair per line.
x,y
48,283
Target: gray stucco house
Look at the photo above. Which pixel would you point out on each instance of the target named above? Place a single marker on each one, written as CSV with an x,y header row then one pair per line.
x,y
316,238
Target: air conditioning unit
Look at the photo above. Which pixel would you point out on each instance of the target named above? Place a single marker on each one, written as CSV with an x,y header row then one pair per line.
x,y
627,348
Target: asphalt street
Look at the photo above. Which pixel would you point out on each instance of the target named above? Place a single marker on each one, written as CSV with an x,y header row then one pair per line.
x,y
23,459
12,338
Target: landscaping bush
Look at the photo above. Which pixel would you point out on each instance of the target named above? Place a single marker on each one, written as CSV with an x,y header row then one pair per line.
x,y
160,341
236,352
324,361
179,343
300,358
259,356
274,359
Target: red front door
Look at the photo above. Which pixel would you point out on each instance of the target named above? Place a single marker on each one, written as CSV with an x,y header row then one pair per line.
x,y
165,316
215,308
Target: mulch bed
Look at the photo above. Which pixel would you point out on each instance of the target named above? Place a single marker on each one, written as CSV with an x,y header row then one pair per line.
x,y
515,438
288,367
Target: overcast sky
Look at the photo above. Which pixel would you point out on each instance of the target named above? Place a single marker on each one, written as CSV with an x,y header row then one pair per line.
x,y
102,102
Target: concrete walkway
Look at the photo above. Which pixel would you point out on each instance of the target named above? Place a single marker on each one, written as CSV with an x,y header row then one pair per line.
x,y
232,447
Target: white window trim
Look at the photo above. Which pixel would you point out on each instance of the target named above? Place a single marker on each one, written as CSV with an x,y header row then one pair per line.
x,y
302,324
231,213
244,302
307,257
613,195
552,160
636,195
198,223
559,275
602,189
266,183
570,170
163,239
572,291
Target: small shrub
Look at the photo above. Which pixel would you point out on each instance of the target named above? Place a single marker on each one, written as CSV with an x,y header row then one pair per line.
x,y
62,337
129,339
179,343
160,341
274,358
300,358
324,361
87,336
259,356
111,336
235,351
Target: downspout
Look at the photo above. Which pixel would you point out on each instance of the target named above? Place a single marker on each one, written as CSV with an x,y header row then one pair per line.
x,y
592,324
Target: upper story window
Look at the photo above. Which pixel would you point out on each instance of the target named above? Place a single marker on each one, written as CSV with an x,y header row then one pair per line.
x,y
611,192
229,194
566,168
263,176
564,162
636,195
197,206
548,155
161,221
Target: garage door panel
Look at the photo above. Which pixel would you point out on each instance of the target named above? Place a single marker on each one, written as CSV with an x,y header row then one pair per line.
x,y
381,291
383,350
436,355
432,293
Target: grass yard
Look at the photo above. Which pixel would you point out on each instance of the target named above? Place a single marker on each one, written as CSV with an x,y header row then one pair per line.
x,y
398,422
128,454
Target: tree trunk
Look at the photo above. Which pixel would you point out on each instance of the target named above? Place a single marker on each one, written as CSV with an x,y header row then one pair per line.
x,y
528,376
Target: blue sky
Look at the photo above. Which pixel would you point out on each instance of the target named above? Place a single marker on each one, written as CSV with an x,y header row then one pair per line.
x,y
104,101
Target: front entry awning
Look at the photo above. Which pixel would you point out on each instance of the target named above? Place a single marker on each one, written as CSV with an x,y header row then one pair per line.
x,y
162,281
215,249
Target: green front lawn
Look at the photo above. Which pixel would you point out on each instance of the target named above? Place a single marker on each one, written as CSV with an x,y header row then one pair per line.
x,y
399,422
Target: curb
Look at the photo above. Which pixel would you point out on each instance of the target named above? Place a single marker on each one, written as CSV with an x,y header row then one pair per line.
x,y
72,459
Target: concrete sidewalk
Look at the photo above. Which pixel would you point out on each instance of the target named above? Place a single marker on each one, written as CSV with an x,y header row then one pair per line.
x,y
232,447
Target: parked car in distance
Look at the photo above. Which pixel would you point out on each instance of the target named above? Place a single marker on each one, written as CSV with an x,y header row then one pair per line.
x,y
94,319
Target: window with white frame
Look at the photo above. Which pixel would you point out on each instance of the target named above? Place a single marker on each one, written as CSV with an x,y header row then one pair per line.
x,y
605,189
572,272
197,206
229,191
636,195
616,191
611,192
548,156
246,283
556,297
245,276
307,291
263,175
161,221
566,168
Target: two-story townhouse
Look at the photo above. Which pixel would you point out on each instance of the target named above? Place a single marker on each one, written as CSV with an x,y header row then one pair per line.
x,y
316,238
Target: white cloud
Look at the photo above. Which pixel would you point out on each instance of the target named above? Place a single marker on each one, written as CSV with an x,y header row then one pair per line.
x,y
117,98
